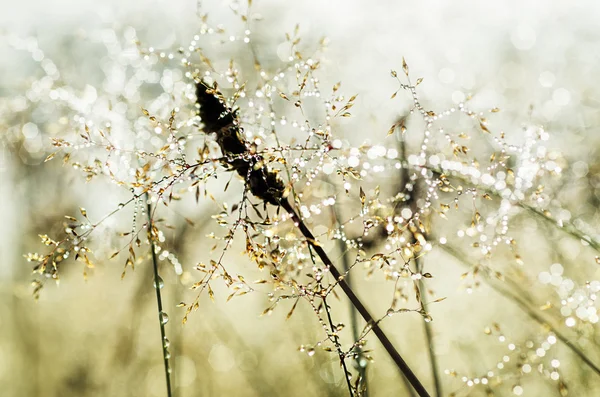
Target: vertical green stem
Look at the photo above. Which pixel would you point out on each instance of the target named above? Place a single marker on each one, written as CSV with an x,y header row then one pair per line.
x,y
157,287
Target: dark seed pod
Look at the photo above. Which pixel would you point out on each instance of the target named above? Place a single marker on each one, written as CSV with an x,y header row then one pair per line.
x,y
221,120
214,112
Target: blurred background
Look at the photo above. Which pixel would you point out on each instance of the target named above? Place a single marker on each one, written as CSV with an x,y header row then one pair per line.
x,y
537,62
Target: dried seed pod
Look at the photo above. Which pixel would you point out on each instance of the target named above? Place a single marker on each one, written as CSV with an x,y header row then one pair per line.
x,y
214,112
220,119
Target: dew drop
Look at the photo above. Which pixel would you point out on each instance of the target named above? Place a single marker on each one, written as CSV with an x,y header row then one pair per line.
x,y
164,318
159,283
362,362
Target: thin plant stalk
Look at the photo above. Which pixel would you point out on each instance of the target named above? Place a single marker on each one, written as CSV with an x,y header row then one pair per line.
x,y
338,347
334,336
412,203
361,362
157,287
387,344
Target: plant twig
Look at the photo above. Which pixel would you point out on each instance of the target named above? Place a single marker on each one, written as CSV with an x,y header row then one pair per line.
x,y
157,286
387,344
361,362
567,227
334,336
219,119
338,347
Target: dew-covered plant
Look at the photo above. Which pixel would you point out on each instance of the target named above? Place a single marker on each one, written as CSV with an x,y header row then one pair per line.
x,y
268,149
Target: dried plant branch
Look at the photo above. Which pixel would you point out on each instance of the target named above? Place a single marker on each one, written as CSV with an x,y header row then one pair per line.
x,y
162,319
333,336
279,100
411,191
566,227
265,184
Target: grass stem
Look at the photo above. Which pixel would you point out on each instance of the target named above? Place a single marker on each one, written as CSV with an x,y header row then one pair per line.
x,y
157,286
338,347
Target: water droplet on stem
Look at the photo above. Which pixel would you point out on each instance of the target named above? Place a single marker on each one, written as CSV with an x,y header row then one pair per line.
x,y
164,318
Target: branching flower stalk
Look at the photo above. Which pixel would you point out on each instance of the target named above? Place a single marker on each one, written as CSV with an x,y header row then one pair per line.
x,y
158,284
565,227
410,190
265,184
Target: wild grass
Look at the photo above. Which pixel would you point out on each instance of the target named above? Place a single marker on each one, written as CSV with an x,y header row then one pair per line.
x,y
350,250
